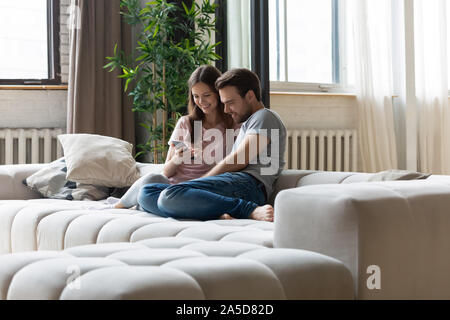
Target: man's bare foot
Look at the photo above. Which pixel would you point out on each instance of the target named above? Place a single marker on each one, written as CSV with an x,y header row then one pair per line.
x,y
264,213
226,216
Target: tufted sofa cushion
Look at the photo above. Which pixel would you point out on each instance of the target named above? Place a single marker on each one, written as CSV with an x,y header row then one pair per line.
x,y
179,268
45,224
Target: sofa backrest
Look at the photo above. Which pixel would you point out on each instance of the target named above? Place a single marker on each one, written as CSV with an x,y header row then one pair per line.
x,y
290,178
11,177
299,178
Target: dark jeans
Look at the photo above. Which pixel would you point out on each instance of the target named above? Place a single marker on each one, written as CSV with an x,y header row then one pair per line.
x,y
235,193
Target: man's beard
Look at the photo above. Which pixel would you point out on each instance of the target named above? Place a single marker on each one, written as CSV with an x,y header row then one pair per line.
x,y
244,117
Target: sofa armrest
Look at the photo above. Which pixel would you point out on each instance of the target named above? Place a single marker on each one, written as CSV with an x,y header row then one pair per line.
x,y
11,177
298,178
401,227
288,179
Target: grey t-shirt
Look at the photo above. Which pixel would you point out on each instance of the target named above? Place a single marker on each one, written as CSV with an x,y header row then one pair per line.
x,y
267,166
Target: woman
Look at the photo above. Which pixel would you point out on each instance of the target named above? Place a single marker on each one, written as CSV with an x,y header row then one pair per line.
x,y
184,159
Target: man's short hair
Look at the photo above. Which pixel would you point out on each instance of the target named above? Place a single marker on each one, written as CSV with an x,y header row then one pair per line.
x,y
243,79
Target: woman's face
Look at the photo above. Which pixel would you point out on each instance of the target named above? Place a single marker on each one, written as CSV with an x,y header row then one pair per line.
x,y
205,98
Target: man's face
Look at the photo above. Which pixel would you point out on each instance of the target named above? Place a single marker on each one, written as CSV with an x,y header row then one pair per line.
x,y
239,108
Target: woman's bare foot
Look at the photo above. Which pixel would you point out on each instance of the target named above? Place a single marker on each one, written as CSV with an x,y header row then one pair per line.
x,y
119,205
264,213
226,216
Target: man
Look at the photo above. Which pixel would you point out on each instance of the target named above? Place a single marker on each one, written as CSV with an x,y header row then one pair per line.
x,y
239,185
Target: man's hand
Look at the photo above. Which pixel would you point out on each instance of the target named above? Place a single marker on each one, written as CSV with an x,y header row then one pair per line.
x,y
248,150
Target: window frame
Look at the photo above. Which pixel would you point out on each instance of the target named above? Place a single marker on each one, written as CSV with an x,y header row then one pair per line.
x,y
221,35
53,45
260,60
339,72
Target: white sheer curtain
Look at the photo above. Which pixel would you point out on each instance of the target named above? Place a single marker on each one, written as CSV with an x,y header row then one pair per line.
x,y
374,82
430,36
239,37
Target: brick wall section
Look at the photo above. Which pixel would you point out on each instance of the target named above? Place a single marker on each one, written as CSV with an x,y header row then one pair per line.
x,y
64,40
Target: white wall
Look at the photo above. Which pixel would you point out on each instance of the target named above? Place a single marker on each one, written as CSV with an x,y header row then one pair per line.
x,y
33,108
315,111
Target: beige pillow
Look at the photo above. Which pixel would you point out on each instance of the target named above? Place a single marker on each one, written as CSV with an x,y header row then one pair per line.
x,y
99,160
398,175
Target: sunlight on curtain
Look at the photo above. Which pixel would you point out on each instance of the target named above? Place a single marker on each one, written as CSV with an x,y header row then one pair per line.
x,y
239,37
372,27
432,85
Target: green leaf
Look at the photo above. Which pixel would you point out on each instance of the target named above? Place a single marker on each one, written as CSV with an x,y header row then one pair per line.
x,y
156,31
140,153
144,125
126,84
216,44
111,64
186,10
142,57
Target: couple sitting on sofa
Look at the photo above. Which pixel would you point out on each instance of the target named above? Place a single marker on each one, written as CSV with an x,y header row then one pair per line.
x,y
235,186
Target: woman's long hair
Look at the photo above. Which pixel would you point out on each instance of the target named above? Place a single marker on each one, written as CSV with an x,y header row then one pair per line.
x,y
208,75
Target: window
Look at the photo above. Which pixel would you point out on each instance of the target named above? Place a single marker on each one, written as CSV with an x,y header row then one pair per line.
x,y
308,45
448,45
29,42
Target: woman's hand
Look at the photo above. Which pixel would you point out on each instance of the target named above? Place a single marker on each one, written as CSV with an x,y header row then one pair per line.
x,y
183,154
179,152
177,156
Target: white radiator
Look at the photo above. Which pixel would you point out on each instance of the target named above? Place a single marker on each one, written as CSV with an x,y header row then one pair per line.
x,y
19,146
326,150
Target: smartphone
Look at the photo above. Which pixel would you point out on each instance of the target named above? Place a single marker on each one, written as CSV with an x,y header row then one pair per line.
x,y
179,144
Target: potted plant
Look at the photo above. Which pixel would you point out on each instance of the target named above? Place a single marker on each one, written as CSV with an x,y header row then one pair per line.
x,y
174,40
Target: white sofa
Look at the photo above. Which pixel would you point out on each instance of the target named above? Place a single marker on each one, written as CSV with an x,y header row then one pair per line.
x,y
351,227
29,222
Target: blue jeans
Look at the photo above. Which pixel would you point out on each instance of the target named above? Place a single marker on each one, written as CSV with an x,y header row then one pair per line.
x,y
235,193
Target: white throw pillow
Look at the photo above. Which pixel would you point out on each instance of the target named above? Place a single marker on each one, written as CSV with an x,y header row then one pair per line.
x,y
99,160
